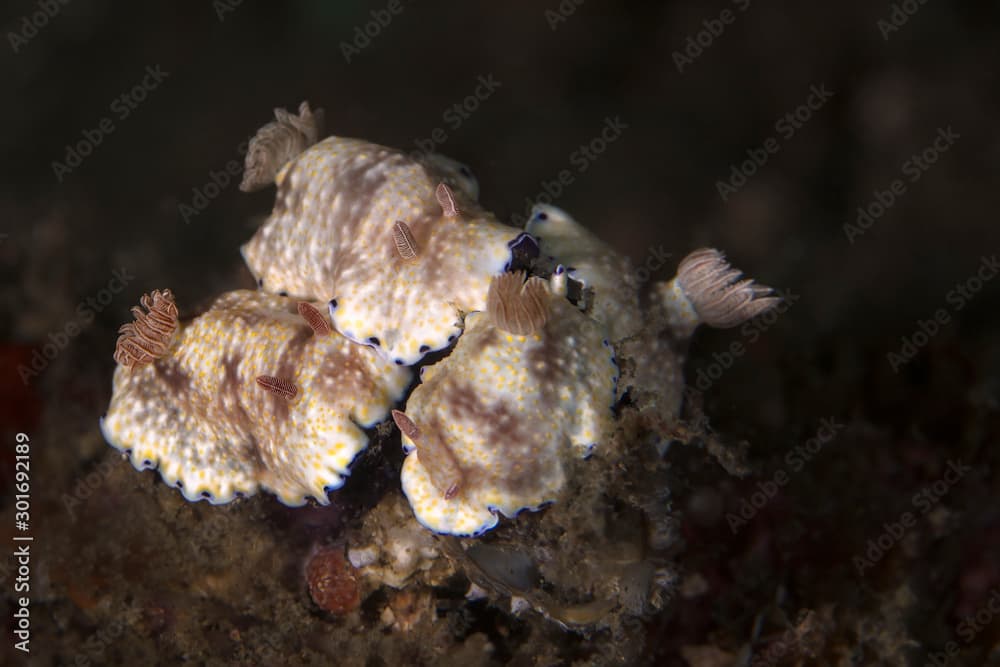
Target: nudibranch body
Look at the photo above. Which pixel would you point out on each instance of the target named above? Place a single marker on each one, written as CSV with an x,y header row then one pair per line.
x,y
612,290
502,412
334,235
248,396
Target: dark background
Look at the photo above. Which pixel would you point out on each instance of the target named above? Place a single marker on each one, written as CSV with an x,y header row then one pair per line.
x,y
656,186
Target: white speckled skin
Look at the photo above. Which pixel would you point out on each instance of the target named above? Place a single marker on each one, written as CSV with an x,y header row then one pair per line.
x,y
595,264
676,307
200,417
511,409
330,237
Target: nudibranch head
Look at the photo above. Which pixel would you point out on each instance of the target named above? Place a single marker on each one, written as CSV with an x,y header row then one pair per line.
x,y
611,287
249,397
396,243
278,142
490,427
457,174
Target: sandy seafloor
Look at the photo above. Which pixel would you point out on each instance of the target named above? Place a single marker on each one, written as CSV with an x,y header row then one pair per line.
x,y
872,553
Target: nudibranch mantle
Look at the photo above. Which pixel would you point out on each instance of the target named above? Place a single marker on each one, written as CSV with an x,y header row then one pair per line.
x,y
510,408
199,415
331,237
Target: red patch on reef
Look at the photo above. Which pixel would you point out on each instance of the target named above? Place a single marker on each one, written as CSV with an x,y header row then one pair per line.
x,y
20,405
332,581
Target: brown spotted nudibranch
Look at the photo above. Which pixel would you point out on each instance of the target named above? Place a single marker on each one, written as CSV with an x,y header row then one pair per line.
x,y
509,408
348,211
255,400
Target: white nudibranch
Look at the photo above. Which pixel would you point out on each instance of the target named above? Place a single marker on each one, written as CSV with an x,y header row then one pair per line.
x,y
398,243
248,397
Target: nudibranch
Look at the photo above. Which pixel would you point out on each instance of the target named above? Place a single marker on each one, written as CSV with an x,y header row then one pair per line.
x,y
611,288
396,244
489,429
253,393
